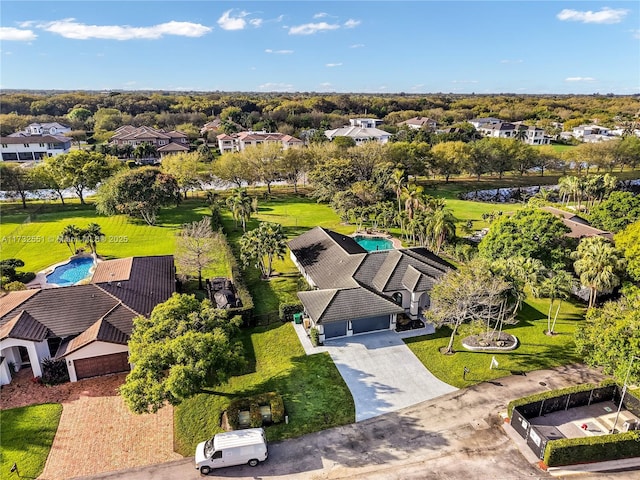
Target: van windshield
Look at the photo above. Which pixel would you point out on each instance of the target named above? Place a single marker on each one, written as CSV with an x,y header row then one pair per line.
x,y
208,448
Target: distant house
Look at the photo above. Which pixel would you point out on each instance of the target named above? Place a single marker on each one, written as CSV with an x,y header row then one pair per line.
x,y
356,291
417,123
134,136
580,228
365,122
34,147
212,126
534,135
360,135
498,130
53,128
480,122
88,326
584,130
237,142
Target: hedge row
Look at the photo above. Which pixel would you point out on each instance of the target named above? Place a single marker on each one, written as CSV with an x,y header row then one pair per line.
x,y
288,309
253,404
246,311
569,451
537,397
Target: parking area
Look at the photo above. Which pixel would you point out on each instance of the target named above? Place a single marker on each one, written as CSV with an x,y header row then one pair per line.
x,y
587,421
382,374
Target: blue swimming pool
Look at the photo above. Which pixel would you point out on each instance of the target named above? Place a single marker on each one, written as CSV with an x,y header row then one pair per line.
x,y
72,272
371,244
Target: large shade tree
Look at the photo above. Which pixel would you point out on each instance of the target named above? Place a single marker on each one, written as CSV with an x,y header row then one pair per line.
x,y
610,336
183,346
82,170
628,241
528,233
138,193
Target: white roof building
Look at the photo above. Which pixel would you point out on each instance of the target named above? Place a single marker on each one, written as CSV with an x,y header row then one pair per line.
x,y
360,135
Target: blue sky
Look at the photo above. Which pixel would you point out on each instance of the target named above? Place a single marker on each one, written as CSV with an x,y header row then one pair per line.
x,y
332,46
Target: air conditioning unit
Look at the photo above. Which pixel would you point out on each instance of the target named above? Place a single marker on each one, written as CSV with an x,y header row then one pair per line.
x,y
629,425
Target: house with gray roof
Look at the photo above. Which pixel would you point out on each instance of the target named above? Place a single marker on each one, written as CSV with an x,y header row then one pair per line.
x,y
88,326
355,291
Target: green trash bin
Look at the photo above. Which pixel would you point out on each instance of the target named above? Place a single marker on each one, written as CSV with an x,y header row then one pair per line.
x,y
297,317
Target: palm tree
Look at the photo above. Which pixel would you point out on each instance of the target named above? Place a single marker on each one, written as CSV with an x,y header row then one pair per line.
x,y
441,227
70,235
598,264
558,286
91,236
521,133
241,207
414,201
397,182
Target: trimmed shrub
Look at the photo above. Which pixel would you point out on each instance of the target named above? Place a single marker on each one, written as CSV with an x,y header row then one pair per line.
x,y
253,404
286,310
315,336
54,372
277,409
569,451
14,286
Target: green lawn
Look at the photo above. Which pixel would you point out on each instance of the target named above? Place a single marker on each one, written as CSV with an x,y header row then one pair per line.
x,y
27,434
35,241
536,350
315,396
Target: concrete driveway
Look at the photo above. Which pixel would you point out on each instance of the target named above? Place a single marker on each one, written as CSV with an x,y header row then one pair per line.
x,y
382,374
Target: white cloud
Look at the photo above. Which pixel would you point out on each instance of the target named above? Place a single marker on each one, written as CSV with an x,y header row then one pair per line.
x,y
312,28
511,61
326,84
279,52
351,23
69,28
321,15
357,45
228,22
605,15
17,35
464,81
331,65
635,34
256,22
274,87
579,79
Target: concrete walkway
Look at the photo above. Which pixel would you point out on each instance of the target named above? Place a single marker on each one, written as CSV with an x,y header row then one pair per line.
x,y
382,374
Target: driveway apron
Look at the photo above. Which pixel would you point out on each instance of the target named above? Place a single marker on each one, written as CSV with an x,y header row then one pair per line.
x,y
382,374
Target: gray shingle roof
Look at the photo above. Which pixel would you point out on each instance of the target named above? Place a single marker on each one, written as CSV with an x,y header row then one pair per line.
x,y
329,258
333,305
354,283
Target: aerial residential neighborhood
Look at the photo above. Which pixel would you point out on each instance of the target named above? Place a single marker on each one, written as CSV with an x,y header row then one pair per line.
x,y
290,241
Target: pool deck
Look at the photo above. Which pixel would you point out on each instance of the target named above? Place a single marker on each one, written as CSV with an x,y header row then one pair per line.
x,y
397,243
41,277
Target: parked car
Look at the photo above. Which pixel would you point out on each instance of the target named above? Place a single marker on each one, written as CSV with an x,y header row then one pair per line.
x,y
232,448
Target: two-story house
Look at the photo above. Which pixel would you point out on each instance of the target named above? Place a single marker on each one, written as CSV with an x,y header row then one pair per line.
x,y
417,123
237,142
31,148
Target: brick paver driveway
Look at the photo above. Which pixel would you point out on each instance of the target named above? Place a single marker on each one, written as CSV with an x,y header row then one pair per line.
x,y
99,434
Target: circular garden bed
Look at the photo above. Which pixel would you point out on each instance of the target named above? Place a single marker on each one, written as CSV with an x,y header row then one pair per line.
x,y
490,342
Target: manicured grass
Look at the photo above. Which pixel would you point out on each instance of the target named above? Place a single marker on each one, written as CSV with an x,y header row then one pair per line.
x,y
535,351
27,434
314,394
35,241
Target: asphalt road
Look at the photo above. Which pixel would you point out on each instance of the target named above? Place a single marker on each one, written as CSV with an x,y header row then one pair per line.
x,y
456,436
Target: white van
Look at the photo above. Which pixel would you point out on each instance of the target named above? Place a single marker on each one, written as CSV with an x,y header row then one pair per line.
x,y
232,448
